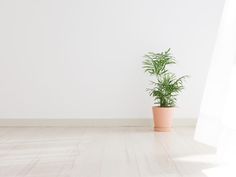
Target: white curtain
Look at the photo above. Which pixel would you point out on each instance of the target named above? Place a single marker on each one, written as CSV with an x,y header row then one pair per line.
x,y
217,120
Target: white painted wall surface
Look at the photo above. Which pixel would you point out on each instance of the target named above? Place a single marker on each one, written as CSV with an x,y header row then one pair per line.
x,y
83,58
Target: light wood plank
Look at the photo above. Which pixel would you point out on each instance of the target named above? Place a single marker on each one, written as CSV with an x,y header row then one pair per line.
x,y
101,152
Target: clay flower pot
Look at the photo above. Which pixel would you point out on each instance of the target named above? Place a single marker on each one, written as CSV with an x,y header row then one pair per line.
x,y
162,117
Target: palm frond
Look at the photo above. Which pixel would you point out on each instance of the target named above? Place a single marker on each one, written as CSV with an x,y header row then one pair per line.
x,y
167,86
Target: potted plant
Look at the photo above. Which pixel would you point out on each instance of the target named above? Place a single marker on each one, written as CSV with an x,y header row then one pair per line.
x,y
166,87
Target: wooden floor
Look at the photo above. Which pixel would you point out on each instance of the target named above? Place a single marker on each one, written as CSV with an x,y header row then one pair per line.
x,y
101,152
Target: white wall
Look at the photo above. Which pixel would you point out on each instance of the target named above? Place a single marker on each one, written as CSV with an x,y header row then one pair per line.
x,y
83,58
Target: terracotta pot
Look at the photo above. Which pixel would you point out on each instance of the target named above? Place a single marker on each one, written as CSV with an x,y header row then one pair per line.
x,y
162,117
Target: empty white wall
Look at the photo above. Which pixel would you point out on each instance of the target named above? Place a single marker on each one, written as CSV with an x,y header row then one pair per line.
x,y
83,58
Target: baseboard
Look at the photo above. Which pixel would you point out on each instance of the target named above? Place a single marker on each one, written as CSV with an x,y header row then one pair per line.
x,y
91,122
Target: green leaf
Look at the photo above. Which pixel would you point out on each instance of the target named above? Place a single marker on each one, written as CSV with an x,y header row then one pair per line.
x,y
166,86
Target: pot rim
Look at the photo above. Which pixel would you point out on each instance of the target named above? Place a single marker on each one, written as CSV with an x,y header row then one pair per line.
x,y
160,107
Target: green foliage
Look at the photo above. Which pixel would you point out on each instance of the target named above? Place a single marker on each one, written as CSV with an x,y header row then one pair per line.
x,y
166,86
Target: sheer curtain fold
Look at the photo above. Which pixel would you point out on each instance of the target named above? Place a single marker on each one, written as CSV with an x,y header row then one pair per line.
x,y
217,120
217,100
